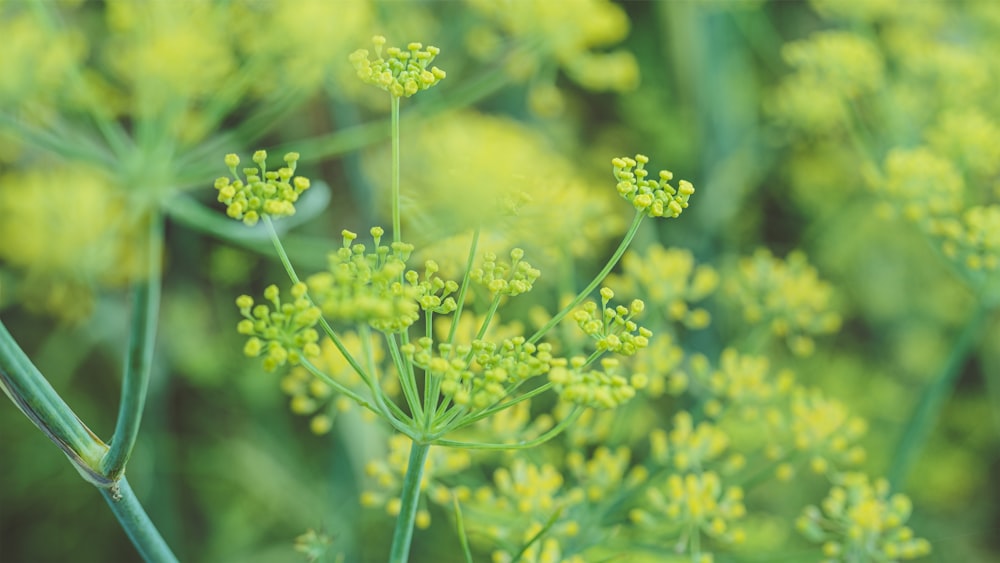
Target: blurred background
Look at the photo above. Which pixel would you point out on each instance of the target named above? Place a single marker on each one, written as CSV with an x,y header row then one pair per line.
x,y
863,134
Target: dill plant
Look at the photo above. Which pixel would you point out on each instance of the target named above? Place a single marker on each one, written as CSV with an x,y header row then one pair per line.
x,y
569,432
445,385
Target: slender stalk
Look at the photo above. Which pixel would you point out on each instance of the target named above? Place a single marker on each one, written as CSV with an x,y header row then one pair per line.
x,y
397,233
137,525
466,279
463,537
933,398
139,354
409,498
626,241
407,381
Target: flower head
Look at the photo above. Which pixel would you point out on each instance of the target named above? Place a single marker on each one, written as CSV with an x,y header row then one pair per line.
x,y
655,198
282,332
402,73
264,192
369,286
860,521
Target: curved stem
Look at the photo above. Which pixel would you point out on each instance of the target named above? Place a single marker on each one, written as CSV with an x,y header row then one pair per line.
x,y
552,433
626,241
409,499
139,354
137,525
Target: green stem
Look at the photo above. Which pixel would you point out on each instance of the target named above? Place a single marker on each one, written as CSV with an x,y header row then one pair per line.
x,y
932,400
466,279
33,396
409,499
139,354
36,399
396,230
626,241
407,379
137,525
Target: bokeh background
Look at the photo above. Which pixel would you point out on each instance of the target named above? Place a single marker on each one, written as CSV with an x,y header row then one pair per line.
x,y
863,134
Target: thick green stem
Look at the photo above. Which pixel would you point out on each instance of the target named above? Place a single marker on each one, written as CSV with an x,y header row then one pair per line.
x,y
933,398
409,499
34,396
626,241
139,354
137,525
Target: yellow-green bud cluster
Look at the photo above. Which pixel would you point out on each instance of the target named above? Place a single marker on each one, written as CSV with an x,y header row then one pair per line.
x,y
482,374
281,332
747,384
603,475
788,295
501,278
368,287
821,428
613,327
655,198
433,293
697,503
860,521
688,447
401,73
669,280
603,389
921,185
264,192
974,239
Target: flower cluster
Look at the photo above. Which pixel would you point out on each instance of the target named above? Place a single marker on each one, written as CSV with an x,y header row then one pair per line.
x,y
974,239
501,278
655,198
282,331
264,193
604,388
70,229
661,362
818,428
575,34
860,521
401,73
832,70
747,384
480,374
698,502
670,281
688,447
522,499
613,328
787,296
362,286
921,184
432,292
